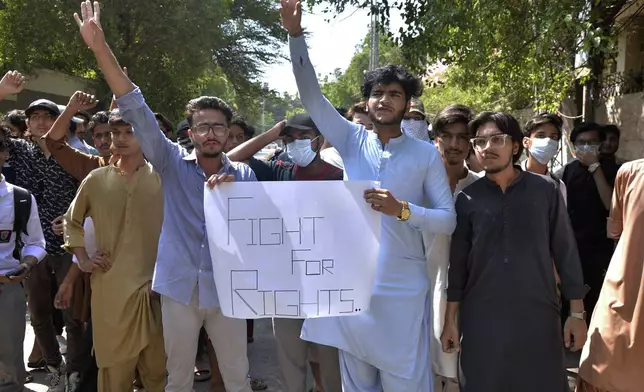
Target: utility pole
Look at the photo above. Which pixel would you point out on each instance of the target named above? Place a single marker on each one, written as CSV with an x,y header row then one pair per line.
x,y
374,38
263,115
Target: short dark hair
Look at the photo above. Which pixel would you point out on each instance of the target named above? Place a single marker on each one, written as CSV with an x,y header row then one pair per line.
x,y
587,127
390,74
542,119
5,130
506,123
97,119
17,118
85,115
612,128
166,123
358,108
342,111
453,114
249,130
202,103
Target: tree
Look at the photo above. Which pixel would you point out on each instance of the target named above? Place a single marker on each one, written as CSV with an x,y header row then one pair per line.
x,y
524,48
343,88
171,48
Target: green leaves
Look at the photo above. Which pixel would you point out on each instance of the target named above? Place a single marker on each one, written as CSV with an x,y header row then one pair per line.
x,y
170,47
518,53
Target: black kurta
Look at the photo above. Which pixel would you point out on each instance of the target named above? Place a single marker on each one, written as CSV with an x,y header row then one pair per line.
x,y
501,272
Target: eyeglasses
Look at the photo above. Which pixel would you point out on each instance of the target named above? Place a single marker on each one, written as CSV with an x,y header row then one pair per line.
x,y
494,141
38,117
204,129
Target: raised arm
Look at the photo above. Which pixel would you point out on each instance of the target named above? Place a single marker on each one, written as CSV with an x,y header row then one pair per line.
x,y
11,83
79,101
246,150
440,217
341,133
75,162
155,146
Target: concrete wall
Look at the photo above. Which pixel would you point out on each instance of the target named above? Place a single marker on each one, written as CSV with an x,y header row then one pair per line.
x,y
627,112
51,85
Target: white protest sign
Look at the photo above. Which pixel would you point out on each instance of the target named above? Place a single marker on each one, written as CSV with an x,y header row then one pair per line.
x,y
299,249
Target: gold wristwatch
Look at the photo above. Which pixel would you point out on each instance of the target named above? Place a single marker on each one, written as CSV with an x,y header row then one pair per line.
x,y
405,213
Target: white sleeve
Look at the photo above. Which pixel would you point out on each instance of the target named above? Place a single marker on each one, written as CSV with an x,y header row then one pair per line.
x,y
90,239
34,240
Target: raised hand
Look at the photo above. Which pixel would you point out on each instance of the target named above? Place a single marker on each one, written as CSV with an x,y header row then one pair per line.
x,y
82,101
12,83
291,11
90,24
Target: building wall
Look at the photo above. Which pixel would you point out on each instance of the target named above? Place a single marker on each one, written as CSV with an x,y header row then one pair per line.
x,y
627,112
47,84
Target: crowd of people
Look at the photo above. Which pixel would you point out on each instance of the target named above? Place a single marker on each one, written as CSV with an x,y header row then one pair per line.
x,y
489,266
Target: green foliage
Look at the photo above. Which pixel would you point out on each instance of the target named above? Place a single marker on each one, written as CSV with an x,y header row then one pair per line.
x,y
343,88
521,51
174,50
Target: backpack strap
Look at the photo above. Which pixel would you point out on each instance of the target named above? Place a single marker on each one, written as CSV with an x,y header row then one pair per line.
x,y
22,211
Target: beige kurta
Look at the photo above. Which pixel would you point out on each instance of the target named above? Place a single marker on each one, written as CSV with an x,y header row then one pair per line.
x,y
127,220
612,357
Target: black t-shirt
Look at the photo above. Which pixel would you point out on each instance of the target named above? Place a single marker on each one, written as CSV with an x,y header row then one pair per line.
x,y
585,208
286,171
9,174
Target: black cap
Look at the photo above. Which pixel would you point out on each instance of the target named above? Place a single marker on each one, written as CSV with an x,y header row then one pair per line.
x,y
182,128
43,104
300,121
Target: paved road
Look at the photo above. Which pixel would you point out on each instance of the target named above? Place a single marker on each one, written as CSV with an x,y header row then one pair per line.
x,y
262,356
261,353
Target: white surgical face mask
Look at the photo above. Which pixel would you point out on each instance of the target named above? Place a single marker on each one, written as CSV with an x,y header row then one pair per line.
x,y
544,149
418,129
300,152
583,149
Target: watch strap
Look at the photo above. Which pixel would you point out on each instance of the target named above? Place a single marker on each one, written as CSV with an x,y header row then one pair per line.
x,y
578,315
593,168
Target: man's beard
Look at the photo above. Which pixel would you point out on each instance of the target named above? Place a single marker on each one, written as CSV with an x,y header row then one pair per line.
x,y
200,150
397,120
452,160
211,154
496,170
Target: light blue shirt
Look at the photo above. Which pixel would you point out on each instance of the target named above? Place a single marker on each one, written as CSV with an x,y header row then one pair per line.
x,y
183,261
388,335
81,145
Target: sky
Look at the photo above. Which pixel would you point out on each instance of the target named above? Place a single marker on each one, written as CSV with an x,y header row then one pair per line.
x,y
331,45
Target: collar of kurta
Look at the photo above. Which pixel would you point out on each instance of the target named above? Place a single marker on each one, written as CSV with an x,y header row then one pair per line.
x,y
224,160
393,140
4,190
519,177
524,167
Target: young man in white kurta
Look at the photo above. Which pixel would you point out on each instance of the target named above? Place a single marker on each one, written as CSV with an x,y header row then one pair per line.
x,y
387,347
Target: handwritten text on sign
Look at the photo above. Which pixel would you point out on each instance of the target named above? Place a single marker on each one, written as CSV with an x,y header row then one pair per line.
x,y
292,249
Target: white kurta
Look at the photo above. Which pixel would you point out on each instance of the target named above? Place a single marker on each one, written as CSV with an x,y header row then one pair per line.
x,y
443,364
388,335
